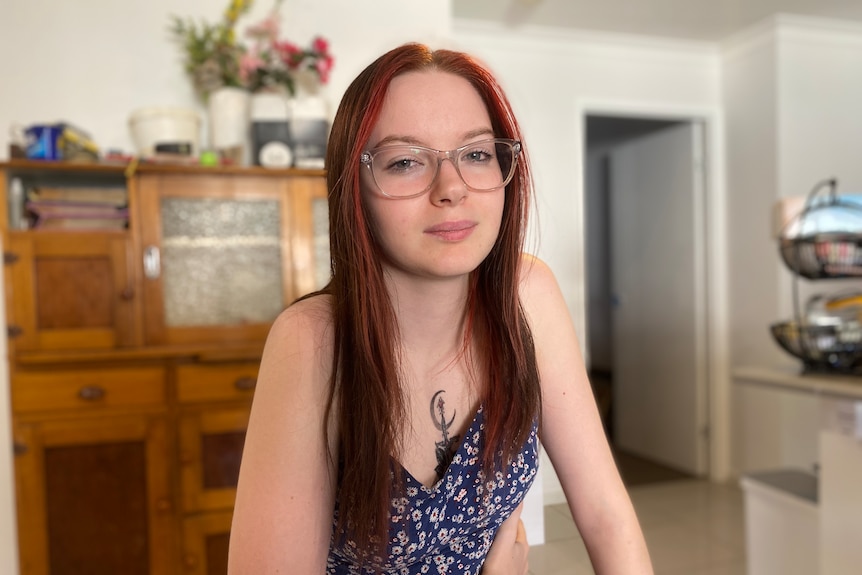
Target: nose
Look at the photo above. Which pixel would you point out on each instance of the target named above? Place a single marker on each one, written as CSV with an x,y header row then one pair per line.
x,y
448,187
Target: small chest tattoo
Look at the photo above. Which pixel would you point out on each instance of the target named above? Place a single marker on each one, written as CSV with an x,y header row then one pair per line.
x,y
445,448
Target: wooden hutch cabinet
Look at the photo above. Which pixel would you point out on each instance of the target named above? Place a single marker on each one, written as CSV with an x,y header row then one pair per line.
x,y
133,352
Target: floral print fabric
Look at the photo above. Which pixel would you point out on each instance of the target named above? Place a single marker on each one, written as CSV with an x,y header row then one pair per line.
x,y
449,528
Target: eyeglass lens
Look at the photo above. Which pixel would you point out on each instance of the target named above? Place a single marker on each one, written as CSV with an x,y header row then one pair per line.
x,y
409,170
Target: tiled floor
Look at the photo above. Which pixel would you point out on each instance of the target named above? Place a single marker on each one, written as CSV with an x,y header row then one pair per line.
x,y
692,527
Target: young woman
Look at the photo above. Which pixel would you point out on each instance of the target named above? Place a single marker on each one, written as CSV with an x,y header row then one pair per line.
x,y
396,419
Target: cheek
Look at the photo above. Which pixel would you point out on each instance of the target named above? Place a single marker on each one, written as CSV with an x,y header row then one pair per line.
x,y
499,207
387,221
374,211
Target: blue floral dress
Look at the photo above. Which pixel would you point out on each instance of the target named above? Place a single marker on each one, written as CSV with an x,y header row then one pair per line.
x,y
450,527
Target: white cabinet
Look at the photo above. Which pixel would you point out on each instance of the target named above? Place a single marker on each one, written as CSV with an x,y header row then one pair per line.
x,y
841,487
781,522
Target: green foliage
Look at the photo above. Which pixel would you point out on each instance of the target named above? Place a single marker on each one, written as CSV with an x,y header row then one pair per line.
x,y
211,53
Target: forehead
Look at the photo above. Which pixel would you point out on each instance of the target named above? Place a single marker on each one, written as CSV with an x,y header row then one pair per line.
x,y
433,107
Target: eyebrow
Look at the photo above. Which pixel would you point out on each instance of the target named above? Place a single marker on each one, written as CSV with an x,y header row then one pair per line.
x,y
396,139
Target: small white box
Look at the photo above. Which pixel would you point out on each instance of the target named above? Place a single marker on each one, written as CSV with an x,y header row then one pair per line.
x,y
782,530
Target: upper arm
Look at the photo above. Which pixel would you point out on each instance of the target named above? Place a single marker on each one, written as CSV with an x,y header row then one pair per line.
x,y
285,497
571,432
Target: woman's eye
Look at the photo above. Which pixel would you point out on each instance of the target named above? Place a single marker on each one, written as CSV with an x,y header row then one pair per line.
x,y
477,156
402,164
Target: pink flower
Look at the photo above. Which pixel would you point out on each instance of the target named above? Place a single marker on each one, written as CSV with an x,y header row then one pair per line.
x,y
324,67
248,64
266,30
290,53
320,45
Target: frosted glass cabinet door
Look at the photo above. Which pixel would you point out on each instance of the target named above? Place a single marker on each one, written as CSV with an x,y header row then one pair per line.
x,y
221,261
215,255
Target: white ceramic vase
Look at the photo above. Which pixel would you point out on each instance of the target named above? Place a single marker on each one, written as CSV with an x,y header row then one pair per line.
x,y
228,110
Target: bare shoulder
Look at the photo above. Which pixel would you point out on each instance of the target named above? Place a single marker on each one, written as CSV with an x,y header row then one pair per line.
x,y
540,293
307,321
535,273
303,330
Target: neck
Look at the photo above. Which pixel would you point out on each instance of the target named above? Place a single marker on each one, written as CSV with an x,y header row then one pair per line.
x,y
430,314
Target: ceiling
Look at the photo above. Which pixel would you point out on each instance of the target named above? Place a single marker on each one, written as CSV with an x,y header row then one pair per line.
x,y
705,20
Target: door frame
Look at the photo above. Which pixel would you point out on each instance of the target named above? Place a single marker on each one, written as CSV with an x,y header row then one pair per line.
x,y
715,268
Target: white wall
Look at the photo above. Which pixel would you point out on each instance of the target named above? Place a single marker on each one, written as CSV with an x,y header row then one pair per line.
x,y
92,63
819,91
750,69
553,79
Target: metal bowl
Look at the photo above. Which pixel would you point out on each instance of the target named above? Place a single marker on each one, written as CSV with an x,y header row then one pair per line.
x,y
835,348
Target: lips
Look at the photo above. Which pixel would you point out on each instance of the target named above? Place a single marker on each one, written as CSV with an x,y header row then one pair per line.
x,y
452,231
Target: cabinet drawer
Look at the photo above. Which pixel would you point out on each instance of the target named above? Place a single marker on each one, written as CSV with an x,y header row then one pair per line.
x,y
216,382
87,389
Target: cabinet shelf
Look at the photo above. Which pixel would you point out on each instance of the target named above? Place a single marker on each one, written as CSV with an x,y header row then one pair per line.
x,y
128,169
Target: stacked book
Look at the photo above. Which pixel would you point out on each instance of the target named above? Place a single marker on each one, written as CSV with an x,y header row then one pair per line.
x,y
73,208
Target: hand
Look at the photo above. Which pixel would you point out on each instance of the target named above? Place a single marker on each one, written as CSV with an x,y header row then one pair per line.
x,y
508,553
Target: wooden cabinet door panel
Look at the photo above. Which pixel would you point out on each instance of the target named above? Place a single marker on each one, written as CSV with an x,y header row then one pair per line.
x,y
94,496
205,543
70,291
211,444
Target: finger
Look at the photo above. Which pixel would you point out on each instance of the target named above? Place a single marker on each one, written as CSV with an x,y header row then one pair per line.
x,y
502,550
509,529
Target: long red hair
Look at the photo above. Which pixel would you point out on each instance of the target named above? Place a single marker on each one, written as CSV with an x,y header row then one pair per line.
x,y
366,390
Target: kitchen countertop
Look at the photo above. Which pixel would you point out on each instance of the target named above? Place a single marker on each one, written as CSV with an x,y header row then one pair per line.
x,y
790,378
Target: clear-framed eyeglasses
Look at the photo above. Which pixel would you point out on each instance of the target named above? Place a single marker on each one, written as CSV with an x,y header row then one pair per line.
x,y
406,171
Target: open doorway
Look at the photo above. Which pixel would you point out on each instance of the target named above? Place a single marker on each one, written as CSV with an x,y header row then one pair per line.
x,y
646,322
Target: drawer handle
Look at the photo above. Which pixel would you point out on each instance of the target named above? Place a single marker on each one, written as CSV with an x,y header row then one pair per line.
x,y
245,383
91,392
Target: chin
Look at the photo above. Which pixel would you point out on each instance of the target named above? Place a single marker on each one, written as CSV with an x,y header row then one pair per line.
x,y
453,262
459,267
